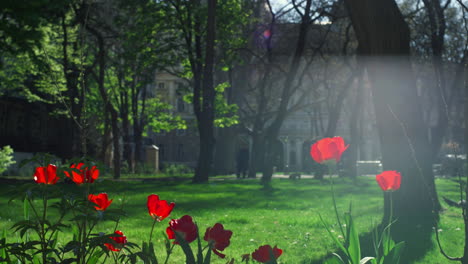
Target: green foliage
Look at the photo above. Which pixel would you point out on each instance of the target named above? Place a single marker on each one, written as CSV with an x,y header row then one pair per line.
x,y
21,23
6,158
176,169
160,118
225,114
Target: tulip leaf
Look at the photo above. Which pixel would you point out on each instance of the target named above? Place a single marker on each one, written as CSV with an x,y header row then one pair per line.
x,y
189,257
95,257
365,260
337,242
54,240
354,248
200,249
208,257
393,257
148,250
387,241
336,259
3,252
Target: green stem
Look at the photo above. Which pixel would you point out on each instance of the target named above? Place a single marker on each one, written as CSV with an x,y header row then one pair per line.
x,y
334,203
390,221
86,239
53,231
169,254
42,236
33,208
336,209
152,228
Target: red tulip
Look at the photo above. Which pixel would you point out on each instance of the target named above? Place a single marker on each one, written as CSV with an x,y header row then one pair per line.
x,y
158,209
85,175
47,175
263,253
183,226
218,238
389,180
101,200
121,241
327,149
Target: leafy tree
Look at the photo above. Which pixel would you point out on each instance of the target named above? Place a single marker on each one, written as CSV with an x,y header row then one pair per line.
x,y
22,23
143,47
202,28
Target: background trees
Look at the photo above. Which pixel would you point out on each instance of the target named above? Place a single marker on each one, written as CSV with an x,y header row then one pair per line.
x,y
96,63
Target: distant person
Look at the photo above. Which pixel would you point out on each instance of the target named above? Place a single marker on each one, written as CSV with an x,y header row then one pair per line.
x,y
242,163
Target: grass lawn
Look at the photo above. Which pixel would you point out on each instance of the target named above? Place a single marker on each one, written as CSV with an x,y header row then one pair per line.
x,y
287,216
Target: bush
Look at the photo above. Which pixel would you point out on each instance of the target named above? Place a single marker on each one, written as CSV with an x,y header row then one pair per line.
x,y
6,158
176,169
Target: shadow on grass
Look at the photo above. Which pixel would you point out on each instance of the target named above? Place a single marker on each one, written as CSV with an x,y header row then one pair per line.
x,y
417,237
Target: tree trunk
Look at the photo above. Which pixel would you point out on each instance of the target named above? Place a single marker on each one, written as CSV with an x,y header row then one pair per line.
x,y
437,23
116,142
465,216
72,74
273,130
126,138
106,138
127,144
101,57
383,37
138,139
204,110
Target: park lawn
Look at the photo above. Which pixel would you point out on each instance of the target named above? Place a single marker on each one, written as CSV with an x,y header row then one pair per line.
x,y
286,216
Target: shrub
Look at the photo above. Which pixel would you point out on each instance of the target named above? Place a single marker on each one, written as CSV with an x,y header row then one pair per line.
x,y
6,158
176,169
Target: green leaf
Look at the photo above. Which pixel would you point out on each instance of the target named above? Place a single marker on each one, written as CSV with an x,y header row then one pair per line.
x,y
148,251
189,257
354,248
387,241
95,257
365,260
337,242
394,255
3,252
200,249
336,259
208,257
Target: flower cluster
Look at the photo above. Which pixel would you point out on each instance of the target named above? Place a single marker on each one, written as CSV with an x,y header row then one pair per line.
x,y
182,230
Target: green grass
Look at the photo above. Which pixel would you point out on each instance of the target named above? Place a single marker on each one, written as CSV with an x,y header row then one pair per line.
x,y
287,216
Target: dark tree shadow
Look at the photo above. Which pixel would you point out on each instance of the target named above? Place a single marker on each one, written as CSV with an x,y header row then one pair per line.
x,y
417,237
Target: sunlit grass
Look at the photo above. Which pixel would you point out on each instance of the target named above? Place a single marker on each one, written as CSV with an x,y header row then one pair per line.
x,y
286,216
